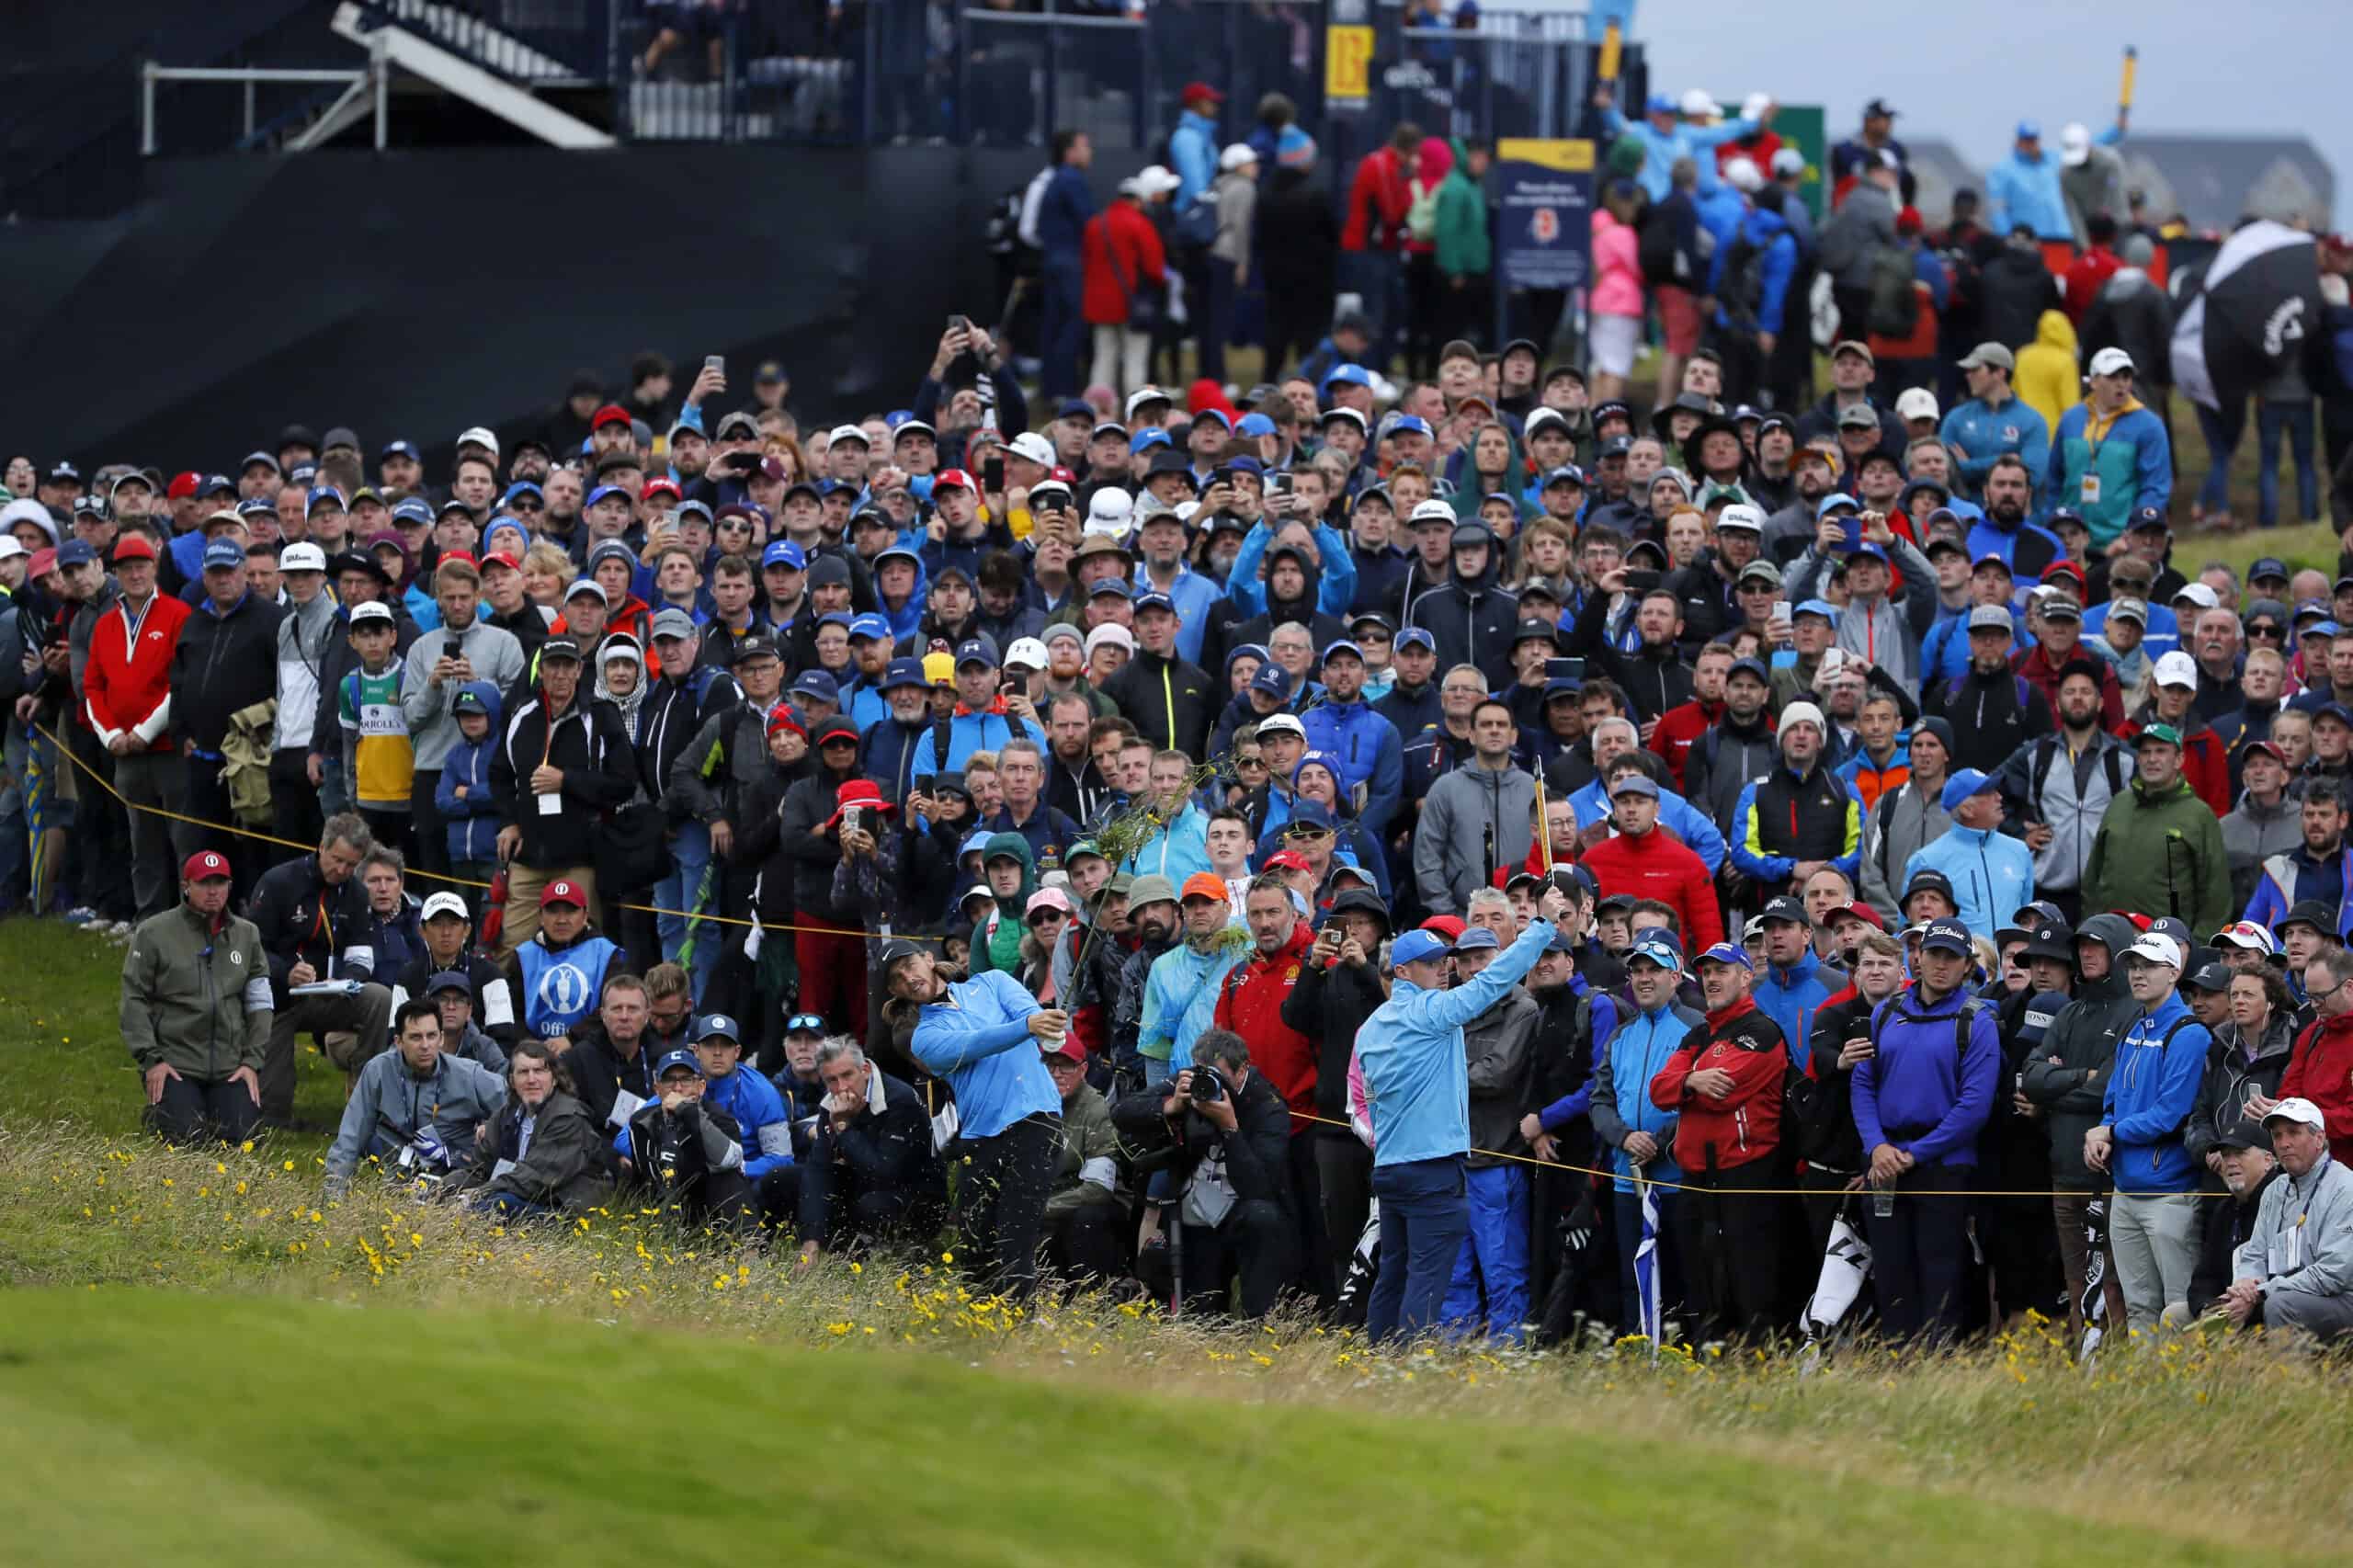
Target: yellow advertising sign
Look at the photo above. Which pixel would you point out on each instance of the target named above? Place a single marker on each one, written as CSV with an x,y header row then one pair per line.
x,y
1347,62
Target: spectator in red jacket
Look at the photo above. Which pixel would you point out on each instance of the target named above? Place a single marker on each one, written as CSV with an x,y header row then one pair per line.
x,y
126,693
1724,1083
1644,860
1250,1003
2320,1070
1126,278
1673,736
2099,263
1373,241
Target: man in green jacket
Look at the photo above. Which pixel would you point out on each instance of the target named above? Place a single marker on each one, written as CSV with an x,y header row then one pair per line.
x,y
1466,256
196,1010
1085,1210
2159,849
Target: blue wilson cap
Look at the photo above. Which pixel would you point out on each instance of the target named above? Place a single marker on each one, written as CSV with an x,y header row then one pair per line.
x,y
1415,946
218,553
868,625
1255,425
605,491
413,511
2029,130
784,552
1725,952
1416,637
678,1059
1475,939
1961,786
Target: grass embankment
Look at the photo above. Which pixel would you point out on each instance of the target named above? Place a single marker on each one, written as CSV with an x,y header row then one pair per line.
x,y
515,1374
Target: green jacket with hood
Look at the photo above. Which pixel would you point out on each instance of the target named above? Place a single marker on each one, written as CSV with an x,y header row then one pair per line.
x,y
1463,247
2161,852
997,940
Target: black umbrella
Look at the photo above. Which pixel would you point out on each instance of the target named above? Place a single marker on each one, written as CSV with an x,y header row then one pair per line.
x,y
2257,304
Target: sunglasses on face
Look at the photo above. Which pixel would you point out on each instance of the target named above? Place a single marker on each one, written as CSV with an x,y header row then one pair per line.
x,y
2265,630
521,505
1045,917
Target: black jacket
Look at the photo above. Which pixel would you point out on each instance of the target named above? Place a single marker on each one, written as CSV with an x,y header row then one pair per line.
x,y
225,661
301,919
1329,1004
409,983
1990,716
598,1071
1827,1139
2014,287
1255,1150
813,855
889,1153
672,715
591,746
1654,679
1169,701
1472,624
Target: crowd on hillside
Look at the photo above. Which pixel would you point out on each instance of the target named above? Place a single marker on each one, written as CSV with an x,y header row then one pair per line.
x,y
1461,851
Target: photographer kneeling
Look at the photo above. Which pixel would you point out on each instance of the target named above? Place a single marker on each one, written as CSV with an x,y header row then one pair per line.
x,y
689,1151
1223,1132
416,1107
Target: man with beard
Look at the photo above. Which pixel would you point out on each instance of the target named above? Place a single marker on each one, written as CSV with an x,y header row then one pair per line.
x,y
1992,709
2314,872
2003,529
2064,783
1814,474
2058,644
1654,674
1152,913
1906,819
1737,749
1799,817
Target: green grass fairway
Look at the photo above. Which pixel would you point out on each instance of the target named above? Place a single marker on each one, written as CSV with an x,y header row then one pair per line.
x,y
165,1427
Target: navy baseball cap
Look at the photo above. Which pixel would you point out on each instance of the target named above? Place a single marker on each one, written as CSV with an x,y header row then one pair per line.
x,y
1336,648
718,1026
219,555
979,650
413,511
1154,601
869,625
1271,678
521,487
1948,935
1725,952
686,1059
1567,473
817,684
904,672
394,450
1476,938
1416,637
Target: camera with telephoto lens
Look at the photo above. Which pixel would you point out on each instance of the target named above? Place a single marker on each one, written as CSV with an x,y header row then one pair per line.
x,y
1208,1086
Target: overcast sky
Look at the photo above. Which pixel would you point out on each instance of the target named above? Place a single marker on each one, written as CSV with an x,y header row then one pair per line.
x,y
1970,71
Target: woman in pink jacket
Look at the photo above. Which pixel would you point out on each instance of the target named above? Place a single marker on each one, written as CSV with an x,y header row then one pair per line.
x,y
1615,306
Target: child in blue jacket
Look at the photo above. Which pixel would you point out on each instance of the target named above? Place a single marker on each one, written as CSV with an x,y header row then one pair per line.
x,y
463,794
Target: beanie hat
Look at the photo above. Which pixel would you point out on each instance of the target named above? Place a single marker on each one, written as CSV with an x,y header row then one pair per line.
x,y
1805,714
1294,149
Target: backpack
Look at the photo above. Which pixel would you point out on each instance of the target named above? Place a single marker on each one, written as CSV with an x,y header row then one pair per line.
x,y
1661,259
1839,242
2046,751
1421,212
1195,227
1742,287
1894,308
1803,1101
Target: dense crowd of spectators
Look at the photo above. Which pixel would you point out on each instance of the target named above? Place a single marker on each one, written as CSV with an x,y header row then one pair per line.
x,y
1696,864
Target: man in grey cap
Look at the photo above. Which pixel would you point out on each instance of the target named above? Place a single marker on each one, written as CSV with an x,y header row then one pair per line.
x,y
1993,422
684,697
441,662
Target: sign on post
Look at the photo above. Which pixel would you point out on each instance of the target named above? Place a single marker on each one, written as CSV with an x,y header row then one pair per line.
x,y
1347,57
1547,226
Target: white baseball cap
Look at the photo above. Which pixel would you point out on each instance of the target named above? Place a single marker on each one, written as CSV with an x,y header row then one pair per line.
x,y
2198,594
1432,511
1789,161
479,434
445,904
303,557
1754,106
1697,102
1743,174
9,547
2178,668
1142,395
2296,1109
1156,179
2075,143
1917,403
849,433
1034,447
1237,154
2109,362
1277,723
1741,515
1110,512
1030,652
2157,947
